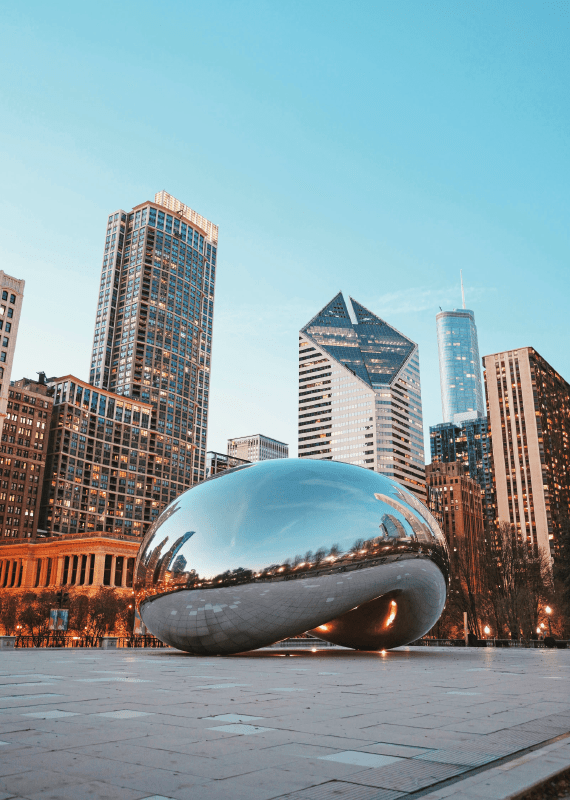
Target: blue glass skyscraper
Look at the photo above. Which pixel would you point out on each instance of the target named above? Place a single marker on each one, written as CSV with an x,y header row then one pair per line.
x,y
459,366
464,434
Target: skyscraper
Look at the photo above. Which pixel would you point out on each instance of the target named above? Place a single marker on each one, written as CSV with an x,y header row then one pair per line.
x,y
459,365
529,413
22,456
153,328
359,393
468,442
11,296
100,475
257,448
454,497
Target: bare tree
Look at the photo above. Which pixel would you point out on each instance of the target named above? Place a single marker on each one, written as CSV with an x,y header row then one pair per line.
x,y
34,612
9,613
519,582
103,612
79,612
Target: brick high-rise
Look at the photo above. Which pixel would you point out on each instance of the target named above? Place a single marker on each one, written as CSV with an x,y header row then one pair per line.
x,y
22,457
455,500
11,296
529,412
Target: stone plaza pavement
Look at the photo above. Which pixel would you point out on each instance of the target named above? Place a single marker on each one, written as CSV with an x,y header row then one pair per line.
x,y
301,725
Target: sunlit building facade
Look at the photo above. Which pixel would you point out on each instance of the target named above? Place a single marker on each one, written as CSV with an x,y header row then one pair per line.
x,y
459,366
85,563
455,501
22,457
153,328
11,297
220,462
359,394
102,473
529,413
257,448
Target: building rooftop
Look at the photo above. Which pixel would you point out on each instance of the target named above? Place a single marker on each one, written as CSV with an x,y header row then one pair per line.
x,y
255,435
172,204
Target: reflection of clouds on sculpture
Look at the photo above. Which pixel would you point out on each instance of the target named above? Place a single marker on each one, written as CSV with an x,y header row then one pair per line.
x,y
272,549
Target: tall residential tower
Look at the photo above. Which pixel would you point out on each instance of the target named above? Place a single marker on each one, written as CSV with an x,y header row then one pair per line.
x,y
11,296
359,394
153,328
529,413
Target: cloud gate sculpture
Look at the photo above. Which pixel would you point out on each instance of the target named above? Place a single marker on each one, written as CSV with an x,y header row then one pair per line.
x,y
270,550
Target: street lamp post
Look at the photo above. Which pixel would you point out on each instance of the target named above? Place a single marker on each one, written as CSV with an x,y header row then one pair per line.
x,y
549,612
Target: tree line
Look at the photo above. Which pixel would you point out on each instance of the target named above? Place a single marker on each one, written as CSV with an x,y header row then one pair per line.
x,y
90,615
506,585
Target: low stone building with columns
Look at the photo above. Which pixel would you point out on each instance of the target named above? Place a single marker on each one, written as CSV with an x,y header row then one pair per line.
x,y
88,561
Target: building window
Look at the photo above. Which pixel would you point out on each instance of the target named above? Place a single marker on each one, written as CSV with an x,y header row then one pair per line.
x,y
119,561
82,571
74,570
130,571
107,570
65,571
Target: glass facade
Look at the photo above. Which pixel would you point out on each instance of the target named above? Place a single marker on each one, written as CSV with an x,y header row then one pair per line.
x,y
469,443
153,330
459,366
359,393
99,471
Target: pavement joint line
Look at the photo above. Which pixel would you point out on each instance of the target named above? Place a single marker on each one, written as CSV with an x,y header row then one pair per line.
x,y
470,773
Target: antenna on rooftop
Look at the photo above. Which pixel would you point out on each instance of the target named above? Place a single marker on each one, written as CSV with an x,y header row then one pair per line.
x,y
462,290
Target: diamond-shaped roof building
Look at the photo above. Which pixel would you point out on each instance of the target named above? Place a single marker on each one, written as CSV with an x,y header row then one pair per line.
x,y
359,340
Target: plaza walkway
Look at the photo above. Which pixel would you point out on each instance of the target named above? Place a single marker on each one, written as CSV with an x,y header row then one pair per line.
x,y
127,724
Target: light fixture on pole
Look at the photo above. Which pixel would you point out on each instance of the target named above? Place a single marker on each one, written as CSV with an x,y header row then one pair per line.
x,y
549,612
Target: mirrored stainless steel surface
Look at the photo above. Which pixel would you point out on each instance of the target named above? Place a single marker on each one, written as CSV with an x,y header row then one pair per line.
x,y
273,549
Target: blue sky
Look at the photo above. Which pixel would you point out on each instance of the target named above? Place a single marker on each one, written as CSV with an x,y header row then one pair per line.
x,y
374,147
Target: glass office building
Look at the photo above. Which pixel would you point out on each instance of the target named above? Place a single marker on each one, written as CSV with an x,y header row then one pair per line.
x,y
468,442
459,366
153,330
359,394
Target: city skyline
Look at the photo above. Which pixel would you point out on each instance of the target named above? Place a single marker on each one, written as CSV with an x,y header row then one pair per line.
x,y
458,162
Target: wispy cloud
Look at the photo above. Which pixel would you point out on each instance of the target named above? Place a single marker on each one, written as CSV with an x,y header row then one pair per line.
x,y
420,298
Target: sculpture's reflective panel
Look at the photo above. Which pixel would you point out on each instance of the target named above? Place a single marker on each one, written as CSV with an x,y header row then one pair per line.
x,y
273,549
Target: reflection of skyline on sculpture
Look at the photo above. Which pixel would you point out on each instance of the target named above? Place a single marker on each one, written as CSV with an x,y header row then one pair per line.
x,y
392,532
278,523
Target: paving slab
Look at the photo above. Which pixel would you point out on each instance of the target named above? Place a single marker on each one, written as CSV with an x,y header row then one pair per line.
x,y
324,725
